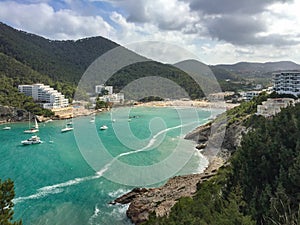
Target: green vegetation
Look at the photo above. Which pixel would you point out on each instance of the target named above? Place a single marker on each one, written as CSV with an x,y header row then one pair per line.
x,y
260,186
7,194
28,58
151,98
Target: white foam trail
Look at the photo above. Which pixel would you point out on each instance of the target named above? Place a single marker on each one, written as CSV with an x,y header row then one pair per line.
x,y
55,189
118,192
58,188
153,139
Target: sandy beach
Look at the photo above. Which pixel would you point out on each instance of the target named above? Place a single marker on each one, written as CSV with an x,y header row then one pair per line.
x,y
189,103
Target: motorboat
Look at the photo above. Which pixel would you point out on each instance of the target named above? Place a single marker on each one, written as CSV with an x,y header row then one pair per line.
x,y
33,140
6,128
103,127
66,129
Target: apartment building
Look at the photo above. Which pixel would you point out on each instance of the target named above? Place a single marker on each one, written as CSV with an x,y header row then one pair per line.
x,y
99,88
46,96
287,82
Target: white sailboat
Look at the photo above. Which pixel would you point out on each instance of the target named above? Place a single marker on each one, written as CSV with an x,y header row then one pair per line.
x,y
33,129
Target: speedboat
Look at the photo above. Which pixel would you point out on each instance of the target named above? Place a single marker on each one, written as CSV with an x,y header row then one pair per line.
x,y
33,140
6,128
66,129
103,127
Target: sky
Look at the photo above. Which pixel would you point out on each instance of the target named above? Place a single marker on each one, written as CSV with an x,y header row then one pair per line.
x,y
213,31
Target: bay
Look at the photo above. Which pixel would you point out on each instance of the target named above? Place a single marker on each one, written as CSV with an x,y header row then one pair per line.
x,y
56,183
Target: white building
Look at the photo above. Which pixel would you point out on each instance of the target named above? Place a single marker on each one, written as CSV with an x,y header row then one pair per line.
x,y
273,106
115,98
99,88
287,82
248,95
45,95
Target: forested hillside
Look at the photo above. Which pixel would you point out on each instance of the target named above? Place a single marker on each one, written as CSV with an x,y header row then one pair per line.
x,y
60,60
261,185
28,58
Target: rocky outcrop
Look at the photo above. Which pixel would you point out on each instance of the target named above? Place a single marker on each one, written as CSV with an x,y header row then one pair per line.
x,y
205,138
144,201
215,140
11,114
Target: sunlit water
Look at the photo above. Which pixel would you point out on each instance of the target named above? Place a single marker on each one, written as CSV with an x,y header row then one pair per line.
x,y
55,185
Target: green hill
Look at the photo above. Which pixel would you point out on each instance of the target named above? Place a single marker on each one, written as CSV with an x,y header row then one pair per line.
x,y
27,58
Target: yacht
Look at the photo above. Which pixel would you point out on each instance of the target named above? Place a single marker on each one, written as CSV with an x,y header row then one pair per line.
x,y
103,127
33,140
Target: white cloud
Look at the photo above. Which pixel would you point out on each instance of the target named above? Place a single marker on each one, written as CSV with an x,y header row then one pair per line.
x,y
165,21
42,19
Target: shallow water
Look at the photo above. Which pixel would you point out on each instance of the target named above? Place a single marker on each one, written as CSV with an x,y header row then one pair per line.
x,y
71,177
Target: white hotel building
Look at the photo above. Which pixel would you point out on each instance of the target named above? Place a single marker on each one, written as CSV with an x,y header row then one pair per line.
x,y
111,96
287,82
45,95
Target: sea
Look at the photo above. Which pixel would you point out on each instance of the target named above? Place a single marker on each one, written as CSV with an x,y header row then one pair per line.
x,y
71,177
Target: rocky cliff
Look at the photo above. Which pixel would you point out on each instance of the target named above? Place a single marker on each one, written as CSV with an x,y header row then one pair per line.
x,y
215,140
11,114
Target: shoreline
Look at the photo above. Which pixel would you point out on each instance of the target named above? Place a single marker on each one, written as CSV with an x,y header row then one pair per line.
x,y
189,103
160,200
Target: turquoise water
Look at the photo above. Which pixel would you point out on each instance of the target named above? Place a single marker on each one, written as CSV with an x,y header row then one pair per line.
x,y
70,178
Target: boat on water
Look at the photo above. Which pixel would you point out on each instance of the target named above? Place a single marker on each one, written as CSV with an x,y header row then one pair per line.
x,y
31,141
6,128
92,120
33,129
66,129
103,127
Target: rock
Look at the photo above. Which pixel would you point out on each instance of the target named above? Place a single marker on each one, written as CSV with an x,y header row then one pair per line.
x,y
201,146
144,201
12,114
127,198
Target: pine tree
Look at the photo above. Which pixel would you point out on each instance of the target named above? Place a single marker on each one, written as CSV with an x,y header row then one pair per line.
x,y
7,194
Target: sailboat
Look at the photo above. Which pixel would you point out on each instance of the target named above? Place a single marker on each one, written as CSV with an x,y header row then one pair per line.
x,y
33,129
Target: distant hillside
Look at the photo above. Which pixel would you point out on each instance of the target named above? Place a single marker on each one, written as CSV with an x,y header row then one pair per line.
x,y
258,69
261,67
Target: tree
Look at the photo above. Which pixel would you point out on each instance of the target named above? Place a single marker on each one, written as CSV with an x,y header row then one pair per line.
x,y
7,194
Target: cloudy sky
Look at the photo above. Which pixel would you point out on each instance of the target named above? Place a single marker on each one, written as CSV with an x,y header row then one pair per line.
x,y
215,31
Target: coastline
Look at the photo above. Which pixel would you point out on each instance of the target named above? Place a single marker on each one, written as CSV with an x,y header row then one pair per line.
x,y
145,201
